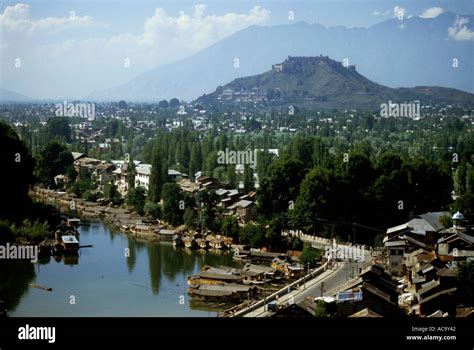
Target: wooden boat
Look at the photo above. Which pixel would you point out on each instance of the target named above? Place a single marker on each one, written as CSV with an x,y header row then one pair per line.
x,y
67,244
193,281
66,240
141,229
227,292
202,243
217,244
48,289
73,222
189,242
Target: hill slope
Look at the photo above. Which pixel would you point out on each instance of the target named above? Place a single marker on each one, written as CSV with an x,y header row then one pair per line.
x,y
322,83
7,96
415,51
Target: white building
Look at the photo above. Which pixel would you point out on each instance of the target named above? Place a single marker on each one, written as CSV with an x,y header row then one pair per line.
x,y
142,177
120,174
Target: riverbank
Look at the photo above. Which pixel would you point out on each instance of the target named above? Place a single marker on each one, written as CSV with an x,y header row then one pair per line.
x,y
128,222
118,218
123,275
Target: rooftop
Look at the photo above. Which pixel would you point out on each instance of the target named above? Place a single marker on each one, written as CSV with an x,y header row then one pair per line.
x,y
365,313
143,169
348,296
69,239
241,204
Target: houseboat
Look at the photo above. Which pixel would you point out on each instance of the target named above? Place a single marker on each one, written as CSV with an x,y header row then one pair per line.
x,y
217,243
214,279
189,242
289,270
256,274
202,243
66,244
212,275
141,229
257,256
66,240
166,234
197,235
125,229
223,293
73,222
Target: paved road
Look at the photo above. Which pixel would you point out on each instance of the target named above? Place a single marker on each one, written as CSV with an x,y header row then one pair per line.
x,y
348,271
345,251
293,296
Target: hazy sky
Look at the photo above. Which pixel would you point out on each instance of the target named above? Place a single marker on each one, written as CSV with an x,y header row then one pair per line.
x,y
67,49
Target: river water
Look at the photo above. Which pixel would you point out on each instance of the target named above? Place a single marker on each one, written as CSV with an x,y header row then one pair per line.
x,y
118,276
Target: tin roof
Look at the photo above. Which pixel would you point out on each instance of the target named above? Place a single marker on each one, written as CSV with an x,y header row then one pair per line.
x,y
348,296
69,239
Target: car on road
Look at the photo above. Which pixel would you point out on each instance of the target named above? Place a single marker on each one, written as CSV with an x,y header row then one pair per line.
x,y
272,306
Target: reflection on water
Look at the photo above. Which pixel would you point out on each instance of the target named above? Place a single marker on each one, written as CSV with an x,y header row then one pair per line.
x,y
119,276
14,279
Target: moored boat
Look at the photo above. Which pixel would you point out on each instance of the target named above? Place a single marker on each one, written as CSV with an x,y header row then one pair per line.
x,y
73,222
227,292
217,243
67,244
189,242
202,243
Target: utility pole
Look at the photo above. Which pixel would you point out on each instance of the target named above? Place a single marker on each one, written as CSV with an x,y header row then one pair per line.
x,y
322,288
305,277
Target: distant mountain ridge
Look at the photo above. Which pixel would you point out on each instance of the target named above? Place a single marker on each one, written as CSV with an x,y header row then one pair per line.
x,y
7,96
323,83
415,51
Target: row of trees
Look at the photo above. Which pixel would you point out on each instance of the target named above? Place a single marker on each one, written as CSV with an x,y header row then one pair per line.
x,y
316,187
190,152
311,189
359,176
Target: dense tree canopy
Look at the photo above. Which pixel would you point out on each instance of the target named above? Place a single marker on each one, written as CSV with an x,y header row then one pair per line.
x,y
54,159
173,203
174,103
136,199
16,174
280,187
58,128
163,104
159,173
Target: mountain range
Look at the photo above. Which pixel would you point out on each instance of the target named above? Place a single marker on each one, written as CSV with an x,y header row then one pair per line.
x,y
7,96
323,83
411,52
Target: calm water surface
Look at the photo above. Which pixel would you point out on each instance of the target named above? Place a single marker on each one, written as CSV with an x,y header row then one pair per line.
x,y
102,281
